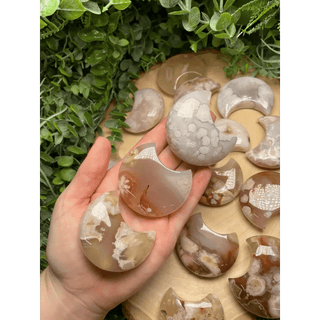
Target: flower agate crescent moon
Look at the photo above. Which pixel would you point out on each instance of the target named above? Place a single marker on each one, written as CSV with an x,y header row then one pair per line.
x,y
107,241
192,135
148,187
147,110
258,291
205,252
245,93
173,307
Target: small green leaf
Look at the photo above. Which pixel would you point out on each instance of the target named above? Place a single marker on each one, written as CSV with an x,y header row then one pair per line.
x,y
102,68
187,26
194,46
96,55
92,7
72,130
121,4
65,71
178,13
213,21
216,5
222,35
90,34
100,20
68,174
224,21
57,181
48,7
228,4
76,150
88,118
169,3
123,42
113,21
194,16
42,24
232,30
75,119
65,161
71,9
46,157
125,64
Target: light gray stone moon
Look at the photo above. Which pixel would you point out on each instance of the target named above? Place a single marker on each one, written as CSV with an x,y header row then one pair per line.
x,y
267,153
192,135
147,110
245,93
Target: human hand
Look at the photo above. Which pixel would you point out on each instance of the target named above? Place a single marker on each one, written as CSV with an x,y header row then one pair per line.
x,y
71,286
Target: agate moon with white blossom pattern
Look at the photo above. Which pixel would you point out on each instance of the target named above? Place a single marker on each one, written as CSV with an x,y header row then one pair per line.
x,y
192,135
260,197
204,252
148,187
258,291
245,93
224,185
147,110
173,307
267,153
107,241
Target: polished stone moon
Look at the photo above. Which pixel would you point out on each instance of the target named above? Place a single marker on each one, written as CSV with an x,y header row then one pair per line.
x,y
234,128
179,69
192,135
107,241
224,185
245,93
204,252
267,153
173,307
148,187
260,197
258,291
147,110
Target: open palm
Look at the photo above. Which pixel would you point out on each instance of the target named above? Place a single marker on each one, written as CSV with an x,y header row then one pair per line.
x,y
97,290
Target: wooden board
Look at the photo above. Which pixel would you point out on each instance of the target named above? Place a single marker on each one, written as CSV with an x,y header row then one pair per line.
x,y
226,219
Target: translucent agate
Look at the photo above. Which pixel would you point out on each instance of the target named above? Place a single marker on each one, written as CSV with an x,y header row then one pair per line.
x,y
147,110
173,307
192,135
245,93
204,252
260,197
233,128
179,69
224,185
267,153
107,241
258,291
196,84
148,187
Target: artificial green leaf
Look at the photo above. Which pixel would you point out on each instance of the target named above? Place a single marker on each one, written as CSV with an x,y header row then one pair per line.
x,y
121,4
125,64
92,34
187,26
57,181
88,118
169,3
123,42
96,55
68,174
48,7
71,9
228,4
65,161
76,150
72,130
232,30
194,16
222,35
205,17
213,21
113,21
92,7
179,13
102,68
216,5
224,21
194,46
100,20
44,156
42,24
75,120
65,71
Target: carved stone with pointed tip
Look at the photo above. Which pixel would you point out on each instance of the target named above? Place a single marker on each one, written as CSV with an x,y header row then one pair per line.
x,y
192,135
148,187
224,185
173,307
147,110
267,153
258,291
179,69
196,84
107,241
245,93
234,128
204,252
260,197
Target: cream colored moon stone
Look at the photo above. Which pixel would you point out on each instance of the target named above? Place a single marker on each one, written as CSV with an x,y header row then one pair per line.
x,y
107,241
267,153
150,188
245,93
172,307
147,110
192,135
233,128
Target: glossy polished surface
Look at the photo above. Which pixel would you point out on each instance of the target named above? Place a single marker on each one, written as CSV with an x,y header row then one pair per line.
x,y
260,197
107,241
267,153
245,93
147,110
258,291
179,69
224,185
205,252
148,187
233,128
173,307
192,135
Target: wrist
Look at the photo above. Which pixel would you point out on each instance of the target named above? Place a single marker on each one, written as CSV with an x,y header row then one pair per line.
x,y
58,303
